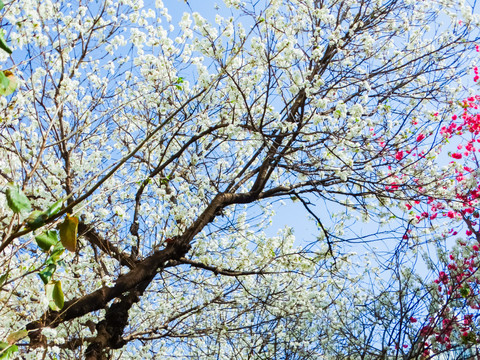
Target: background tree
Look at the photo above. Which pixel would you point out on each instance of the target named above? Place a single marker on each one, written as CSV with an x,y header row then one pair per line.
x,y
168,144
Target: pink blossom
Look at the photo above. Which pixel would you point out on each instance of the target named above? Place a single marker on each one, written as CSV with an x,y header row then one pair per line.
x,y
426,331
443,277
420,137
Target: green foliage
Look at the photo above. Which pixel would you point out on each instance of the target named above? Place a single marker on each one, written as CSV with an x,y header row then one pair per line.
x,y
53,260
464,292
47,239
53,288
16,199
178,83
3,43
47,273
36,219
55,295
57,251
8,83
3,278
165,180
7,350
55,208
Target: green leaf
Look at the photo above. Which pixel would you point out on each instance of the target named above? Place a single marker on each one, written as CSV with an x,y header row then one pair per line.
x,y
68,232
3,43
7,350
56,253
55,208
178,82
164,181
1,4
4,82
36,219
464,292
55,295
46,240
47,273
3,278
16,199
8,82
15,336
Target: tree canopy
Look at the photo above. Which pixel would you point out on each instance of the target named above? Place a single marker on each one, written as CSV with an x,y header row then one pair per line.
x,y
145,148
